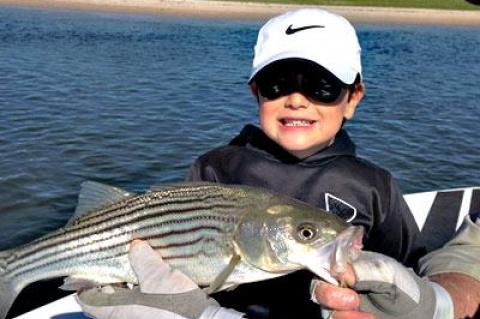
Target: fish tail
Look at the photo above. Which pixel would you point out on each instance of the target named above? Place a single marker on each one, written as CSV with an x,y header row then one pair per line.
x,y
8,291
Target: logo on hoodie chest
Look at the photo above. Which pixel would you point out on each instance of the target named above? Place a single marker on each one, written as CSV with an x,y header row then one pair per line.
x,y
340,207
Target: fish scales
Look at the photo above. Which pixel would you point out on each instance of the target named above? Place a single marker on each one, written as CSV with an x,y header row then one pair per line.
x,y
124,210
128,208
175,229
196,228
143,223
72,251
74,258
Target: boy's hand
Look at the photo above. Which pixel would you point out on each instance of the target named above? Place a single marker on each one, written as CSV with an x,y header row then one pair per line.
x,y
384,289
163,293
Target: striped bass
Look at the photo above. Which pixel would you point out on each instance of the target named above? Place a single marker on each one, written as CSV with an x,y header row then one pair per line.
x,y
219,235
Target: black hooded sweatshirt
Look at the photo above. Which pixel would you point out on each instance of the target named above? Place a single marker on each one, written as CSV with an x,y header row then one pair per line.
x,y
333,179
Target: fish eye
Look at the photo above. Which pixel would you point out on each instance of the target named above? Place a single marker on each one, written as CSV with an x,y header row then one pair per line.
x,y
306,232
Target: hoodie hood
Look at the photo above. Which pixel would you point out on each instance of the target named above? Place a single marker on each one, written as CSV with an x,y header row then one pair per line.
x,y
254,138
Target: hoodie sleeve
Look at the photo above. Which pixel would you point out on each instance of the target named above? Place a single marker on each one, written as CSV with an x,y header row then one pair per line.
x,y
394,227
194,172
202,171
412,246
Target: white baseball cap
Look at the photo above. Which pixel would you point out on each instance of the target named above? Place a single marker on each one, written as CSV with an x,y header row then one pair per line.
x,y
312,34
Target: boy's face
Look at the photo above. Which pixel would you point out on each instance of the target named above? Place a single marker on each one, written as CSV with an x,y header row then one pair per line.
x,y
303,125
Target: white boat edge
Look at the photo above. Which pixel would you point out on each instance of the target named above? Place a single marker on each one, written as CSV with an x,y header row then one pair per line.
x,y
419,203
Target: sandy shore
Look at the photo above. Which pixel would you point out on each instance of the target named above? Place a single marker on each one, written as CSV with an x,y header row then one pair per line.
x,y
258,11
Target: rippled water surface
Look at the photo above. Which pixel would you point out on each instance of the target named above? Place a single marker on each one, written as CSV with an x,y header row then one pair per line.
x,y
132,100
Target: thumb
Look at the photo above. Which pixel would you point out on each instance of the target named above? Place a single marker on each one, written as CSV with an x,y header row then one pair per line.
x,y
154,275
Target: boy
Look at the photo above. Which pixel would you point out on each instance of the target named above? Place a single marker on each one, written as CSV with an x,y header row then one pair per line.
x,y
307,78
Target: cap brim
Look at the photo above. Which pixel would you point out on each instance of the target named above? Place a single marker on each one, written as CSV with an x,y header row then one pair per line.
x,y
344,74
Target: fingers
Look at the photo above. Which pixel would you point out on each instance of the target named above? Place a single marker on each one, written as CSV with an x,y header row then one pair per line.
x,y
336,298
141,253
154,275
148,266
344,302
347,277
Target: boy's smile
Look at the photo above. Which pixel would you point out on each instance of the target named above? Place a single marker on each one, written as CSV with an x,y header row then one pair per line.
x,y
296,122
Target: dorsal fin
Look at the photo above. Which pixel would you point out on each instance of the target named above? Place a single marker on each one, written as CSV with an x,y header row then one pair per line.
x,y
94,195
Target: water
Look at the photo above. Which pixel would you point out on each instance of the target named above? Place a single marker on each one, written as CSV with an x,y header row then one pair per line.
x,y
132,100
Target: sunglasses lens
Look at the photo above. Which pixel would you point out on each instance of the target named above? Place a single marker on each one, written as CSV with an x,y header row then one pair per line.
x,y
321,87
272,91
272,84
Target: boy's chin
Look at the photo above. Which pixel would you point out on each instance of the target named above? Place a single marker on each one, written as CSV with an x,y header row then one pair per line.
x,y
303,152
300,146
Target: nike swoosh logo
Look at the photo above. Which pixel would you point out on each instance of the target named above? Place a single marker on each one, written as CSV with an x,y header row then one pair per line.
x,y
291,30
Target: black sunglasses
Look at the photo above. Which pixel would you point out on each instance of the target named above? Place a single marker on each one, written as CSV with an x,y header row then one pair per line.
x,y
286,77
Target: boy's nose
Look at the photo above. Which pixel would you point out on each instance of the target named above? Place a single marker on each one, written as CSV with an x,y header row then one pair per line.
x,y
296,100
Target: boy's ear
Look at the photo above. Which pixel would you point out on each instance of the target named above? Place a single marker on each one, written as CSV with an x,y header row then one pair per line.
x,y
254,90
354,98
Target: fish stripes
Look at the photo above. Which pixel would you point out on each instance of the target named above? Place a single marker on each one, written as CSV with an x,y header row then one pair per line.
x,y
149,200
154,215
109,249
155,210
110,236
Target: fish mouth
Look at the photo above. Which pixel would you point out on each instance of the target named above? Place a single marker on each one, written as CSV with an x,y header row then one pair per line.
x,y
349,244
331,260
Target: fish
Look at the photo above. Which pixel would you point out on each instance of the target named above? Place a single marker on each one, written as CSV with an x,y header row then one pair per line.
x,y
219,235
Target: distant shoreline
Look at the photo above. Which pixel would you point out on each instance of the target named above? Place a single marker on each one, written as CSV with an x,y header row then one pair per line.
x,y
255,11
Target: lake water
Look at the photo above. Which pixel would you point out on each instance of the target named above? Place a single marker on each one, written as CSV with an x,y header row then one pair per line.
x,y
132,100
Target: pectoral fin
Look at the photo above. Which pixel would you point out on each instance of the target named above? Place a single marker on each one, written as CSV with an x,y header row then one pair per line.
x,y
218,282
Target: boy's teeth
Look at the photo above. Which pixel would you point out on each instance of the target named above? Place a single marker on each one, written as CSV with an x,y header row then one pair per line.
x,y
296,122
